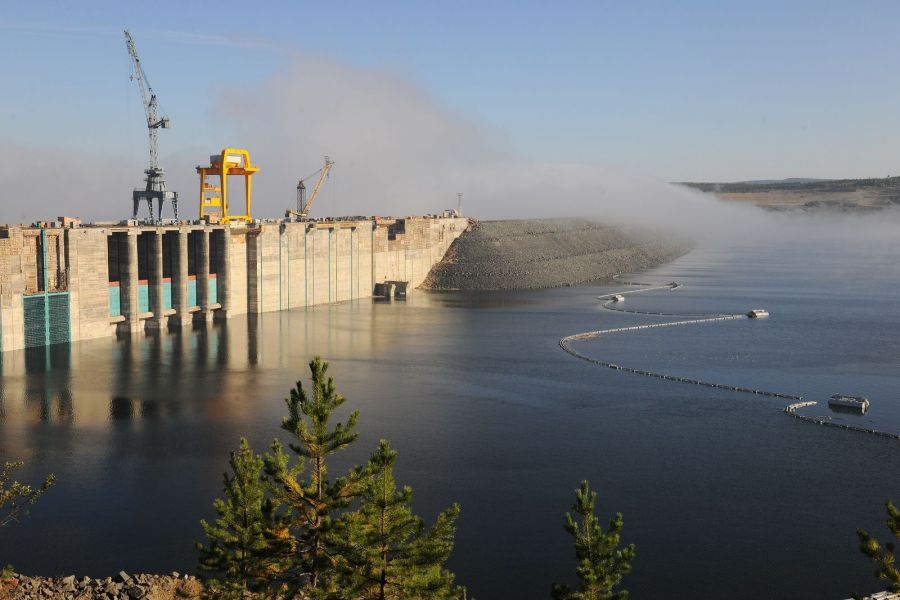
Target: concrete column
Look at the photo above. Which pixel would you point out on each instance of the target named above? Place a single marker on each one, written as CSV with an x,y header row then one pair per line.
x,y
155,285
254,276
203,276
128,282
223,277
180,280
72,285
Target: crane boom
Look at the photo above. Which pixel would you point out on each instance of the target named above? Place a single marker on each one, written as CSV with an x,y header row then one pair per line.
x,y
304,205
151,106
315,192
156,183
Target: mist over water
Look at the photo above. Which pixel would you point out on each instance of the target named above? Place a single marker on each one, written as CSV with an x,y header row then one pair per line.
x,y
398,151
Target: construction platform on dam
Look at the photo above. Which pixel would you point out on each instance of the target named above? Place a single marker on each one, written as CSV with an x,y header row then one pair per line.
x,y
62,282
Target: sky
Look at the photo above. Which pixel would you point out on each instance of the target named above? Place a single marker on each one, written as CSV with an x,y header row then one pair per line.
x,y
432,98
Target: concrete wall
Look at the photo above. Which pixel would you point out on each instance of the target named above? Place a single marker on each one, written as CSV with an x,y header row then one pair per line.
x,y
261,268
280,266
14,254
89,288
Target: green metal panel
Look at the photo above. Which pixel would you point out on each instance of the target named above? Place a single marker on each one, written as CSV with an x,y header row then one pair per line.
x,y
46,319
35,313
58,323
143,297
192,292
115,301
167,295
213,290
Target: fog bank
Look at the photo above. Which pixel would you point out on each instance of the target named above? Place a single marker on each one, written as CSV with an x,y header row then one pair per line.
x,y
398,152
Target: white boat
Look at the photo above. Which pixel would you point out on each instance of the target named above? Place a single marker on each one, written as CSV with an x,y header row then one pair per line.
x,y
843,403
618,298
758,313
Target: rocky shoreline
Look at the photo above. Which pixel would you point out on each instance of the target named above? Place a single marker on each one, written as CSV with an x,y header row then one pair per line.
x,y
121,587
545,253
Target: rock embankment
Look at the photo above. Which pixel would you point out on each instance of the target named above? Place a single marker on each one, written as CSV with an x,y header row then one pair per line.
x,y
528,254
121,587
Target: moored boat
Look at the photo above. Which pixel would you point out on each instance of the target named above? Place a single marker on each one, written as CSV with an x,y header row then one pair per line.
x,y
844,403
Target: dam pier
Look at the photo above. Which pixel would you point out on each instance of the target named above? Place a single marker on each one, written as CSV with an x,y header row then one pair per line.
x,y
61,281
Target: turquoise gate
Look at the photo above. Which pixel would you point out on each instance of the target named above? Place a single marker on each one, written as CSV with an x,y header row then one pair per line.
x,y
46,314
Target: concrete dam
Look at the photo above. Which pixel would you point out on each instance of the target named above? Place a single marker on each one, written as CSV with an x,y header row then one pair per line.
x,y
61,282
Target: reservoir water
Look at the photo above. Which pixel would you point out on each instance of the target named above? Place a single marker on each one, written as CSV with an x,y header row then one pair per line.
x,y
723,494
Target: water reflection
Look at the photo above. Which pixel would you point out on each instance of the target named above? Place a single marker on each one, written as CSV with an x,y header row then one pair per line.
x,y
483,299
207,371
47,358
480,402
121,409
143,377
45,390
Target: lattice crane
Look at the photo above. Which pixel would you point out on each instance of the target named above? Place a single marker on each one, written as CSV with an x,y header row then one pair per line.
x,y
156,178
304,204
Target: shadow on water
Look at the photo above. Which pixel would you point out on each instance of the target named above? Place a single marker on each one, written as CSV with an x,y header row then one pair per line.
x,y
481,299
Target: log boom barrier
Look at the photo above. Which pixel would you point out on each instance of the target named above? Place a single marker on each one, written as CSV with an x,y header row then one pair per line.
x,y
791,409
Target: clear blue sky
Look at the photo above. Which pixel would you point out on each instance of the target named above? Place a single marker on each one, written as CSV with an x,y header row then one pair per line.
x,y
684,90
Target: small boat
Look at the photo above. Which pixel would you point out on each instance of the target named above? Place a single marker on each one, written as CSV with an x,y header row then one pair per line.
x,y
758,313
618,298
853,404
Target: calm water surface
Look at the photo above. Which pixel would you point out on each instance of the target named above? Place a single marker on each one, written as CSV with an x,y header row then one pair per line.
x,y
722,493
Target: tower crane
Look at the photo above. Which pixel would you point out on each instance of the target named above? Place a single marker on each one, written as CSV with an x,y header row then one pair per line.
x,y
304,204
156,178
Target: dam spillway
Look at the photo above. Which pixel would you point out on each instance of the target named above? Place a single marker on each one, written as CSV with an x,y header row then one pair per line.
x,y
61,282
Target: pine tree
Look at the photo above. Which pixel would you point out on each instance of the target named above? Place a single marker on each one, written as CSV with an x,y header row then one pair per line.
x,y
883,554
601,565
386,551
15,496
314,503
244,540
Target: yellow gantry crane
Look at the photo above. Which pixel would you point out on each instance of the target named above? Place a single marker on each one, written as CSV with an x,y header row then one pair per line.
x,y
231,161
304,204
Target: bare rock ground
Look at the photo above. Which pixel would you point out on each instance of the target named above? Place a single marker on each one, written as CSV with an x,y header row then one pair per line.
x,y
544,253
121,587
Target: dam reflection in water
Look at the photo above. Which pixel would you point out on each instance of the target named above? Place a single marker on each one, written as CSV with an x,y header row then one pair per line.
x,y
144,370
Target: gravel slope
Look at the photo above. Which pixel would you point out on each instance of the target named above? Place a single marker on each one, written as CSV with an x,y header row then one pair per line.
x,y
526,254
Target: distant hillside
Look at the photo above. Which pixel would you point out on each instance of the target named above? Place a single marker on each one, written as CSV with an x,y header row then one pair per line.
x,y
787,180
846,195
797,184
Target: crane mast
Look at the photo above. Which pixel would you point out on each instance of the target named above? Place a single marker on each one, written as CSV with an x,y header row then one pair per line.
x,y
155,188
